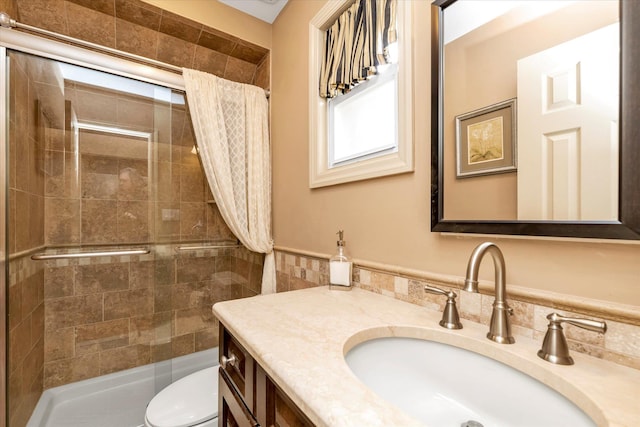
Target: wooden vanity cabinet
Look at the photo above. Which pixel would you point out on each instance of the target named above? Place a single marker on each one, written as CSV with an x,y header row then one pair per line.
x,y
247,397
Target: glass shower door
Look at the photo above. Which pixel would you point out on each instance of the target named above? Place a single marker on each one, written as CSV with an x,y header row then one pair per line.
x,y
83,177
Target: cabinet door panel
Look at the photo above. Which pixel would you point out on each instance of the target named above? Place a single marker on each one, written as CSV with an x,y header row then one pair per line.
x,y
240,372
232,410
275,409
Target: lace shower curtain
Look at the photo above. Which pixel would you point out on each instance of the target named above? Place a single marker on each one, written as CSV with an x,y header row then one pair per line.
x,y
230,121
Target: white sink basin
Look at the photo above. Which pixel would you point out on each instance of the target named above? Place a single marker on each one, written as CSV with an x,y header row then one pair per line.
x,y
442,386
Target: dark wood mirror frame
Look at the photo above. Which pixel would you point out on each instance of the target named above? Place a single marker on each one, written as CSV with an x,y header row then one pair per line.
x,y
628,226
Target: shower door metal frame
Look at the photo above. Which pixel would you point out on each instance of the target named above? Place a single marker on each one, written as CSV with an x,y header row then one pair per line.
x,y
4,290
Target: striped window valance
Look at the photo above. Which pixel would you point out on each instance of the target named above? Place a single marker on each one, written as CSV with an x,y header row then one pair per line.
x,y
356,44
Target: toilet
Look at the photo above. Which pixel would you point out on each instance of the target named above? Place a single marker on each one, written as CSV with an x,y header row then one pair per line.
x,y
191,401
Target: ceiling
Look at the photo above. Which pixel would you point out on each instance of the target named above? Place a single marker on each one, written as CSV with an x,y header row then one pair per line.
x,y
266,10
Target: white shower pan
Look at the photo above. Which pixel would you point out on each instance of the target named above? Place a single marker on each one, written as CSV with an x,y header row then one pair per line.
x,y
117,399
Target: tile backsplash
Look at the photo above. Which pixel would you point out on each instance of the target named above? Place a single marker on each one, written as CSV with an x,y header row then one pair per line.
x,y
620,344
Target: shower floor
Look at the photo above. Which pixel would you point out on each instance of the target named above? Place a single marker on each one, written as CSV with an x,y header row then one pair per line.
x,y
114,400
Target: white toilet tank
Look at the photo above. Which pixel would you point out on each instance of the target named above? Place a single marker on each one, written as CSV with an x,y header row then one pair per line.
x,y
188,402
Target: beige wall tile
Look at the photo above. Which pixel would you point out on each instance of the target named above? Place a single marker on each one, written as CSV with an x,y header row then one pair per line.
x,y
37,324
168,182
60,344
133,222
15,391
188,295
623,339
118,359
140,13
193,320
131,303
99,221
206,339
95,106
19,343
210,61
142,274
239,71
175,51
192,183
161,352
59,282
103,6
15,306
261,78
65,371
99,186
36,13
23,221
151,328
180,27
523,313
102,336
9,6
90,25
100,278
382,281
72,311
135,112
192,221
194,269
182,345
33,364
136,39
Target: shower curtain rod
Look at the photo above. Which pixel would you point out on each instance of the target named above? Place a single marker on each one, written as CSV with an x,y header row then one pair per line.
x,y
7,22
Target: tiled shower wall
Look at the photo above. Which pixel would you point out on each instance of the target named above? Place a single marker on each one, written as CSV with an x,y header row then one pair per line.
x,y
120,182
113,313
172,293
145,30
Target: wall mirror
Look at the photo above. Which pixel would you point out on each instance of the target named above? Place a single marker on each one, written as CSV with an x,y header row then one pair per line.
x,y
535,110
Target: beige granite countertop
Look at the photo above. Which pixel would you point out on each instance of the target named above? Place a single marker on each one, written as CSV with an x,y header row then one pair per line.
x,y
300,339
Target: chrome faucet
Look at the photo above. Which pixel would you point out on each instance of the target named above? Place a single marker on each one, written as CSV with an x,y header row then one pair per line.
x,y
500,327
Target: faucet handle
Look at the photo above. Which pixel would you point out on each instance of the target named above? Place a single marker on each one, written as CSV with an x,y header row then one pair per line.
x,y
450,317
554,346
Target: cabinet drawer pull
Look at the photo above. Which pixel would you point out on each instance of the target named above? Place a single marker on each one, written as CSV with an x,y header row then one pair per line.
x,y
231,361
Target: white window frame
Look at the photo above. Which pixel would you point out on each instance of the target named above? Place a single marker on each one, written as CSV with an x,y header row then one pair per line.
x,y
399,161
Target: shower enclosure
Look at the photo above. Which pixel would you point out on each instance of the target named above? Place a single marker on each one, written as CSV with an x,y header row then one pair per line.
x,y
114,250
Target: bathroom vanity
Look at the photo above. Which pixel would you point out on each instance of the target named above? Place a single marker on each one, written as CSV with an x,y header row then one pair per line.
x,y
290,348
246,395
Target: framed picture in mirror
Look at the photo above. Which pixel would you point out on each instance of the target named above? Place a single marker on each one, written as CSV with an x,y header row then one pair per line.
x,y
486,140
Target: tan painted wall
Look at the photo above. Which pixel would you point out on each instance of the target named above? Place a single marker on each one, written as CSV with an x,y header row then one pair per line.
x,y
221,17
387,219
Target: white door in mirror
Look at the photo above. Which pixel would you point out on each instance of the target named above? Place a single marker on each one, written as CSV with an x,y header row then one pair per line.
x,y
568,130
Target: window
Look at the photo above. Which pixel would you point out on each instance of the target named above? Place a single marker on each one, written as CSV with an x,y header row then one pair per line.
x,y
363,123
382,144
